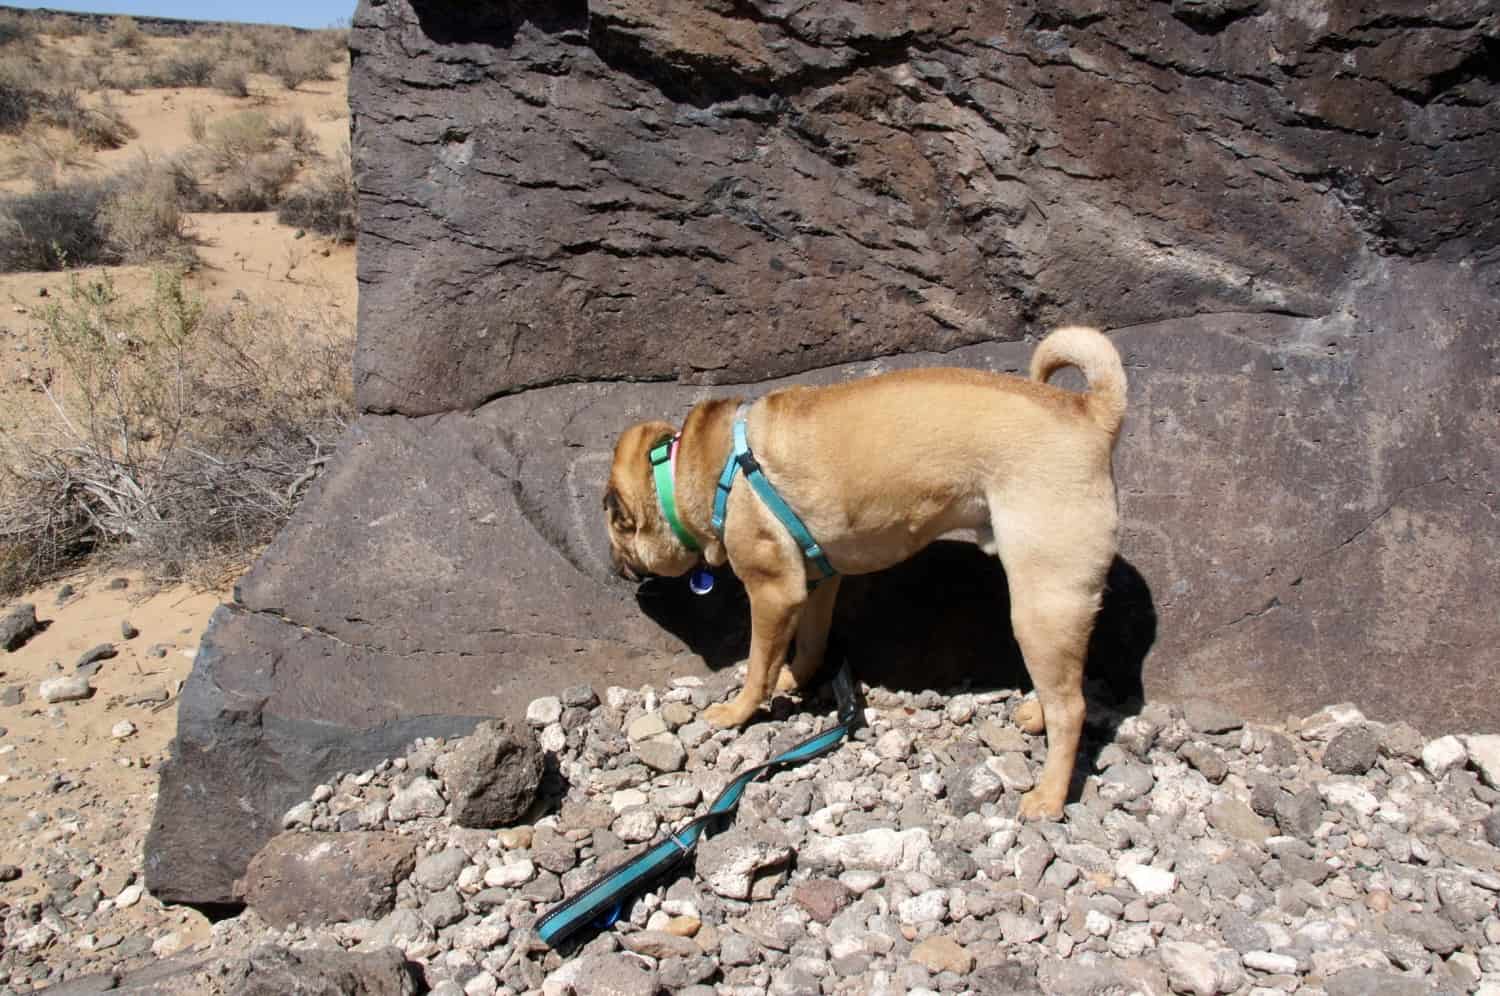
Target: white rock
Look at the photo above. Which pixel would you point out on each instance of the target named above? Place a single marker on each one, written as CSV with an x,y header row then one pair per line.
x,y
124,728
1484,754
1442,755
1193,968
627,799
1270,962
894,745
420,798
511,875
1151,883
129,896
881,849
924,909
1348,795
1097,923
1324,723
300,815
66,689
552,739
168,944
547,709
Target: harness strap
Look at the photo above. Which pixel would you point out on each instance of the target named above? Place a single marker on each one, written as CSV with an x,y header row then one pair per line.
x,y
602,900
742,459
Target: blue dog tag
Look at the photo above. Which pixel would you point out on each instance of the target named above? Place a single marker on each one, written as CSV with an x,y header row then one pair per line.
x,y
701,581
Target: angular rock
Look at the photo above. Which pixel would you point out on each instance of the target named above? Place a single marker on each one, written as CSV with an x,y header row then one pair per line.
x,y
822,898
420,797
1208,716
1201,971
1235,818
732,861
1326,722
941,953
492,778
17,626
615,975
1442,755
1484,755
1353,750
317,878
276,971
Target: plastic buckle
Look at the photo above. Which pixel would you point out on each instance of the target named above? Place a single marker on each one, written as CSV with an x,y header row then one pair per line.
x,y
747,463
661,452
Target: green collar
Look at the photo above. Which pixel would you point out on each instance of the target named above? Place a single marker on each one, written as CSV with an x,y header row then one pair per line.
x,y
663,457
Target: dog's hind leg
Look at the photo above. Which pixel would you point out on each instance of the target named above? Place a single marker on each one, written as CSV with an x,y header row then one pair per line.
x,y
812,636
1056,581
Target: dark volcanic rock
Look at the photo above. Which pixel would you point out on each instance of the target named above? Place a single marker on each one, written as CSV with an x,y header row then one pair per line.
x,y
492,777
317,878
577,215
17,626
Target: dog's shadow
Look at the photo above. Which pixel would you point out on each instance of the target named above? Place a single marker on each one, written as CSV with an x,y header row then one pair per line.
x,y
940,620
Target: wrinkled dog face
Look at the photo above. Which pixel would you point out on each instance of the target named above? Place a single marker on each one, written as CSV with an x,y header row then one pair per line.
x,y
641,543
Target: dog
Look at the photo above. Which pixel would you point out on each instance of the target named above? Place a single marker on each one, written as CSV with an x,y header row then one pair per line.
x,y
877,469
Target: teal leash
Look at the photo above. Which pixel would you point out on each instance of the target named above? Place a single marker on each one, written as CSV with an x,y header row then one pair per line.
x,y
600,904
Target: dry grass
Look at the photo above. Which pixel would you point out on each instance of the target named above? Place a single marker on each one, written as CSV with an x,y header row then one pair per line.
x,y
181,438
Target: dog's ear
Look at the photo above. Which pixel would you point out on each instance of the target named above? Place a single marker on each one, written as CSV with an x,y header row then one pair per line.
x,y
615,509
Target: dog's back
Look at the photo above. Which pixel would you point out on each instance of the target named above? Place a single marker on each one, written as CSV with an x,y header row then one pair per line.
x,y
915,453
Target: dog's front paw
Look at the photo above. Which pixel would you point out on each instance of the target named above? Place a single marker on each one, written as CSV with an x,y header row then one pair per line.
x,y
787,681
724,715
1035,805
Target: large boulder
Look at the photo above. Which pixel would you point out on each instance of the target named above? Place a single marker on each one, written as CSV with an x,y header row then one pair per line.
x,y
575,215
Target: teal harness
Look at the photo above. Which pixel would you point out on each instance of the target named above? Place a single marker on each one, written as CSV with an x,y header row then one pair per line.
x,y
742,460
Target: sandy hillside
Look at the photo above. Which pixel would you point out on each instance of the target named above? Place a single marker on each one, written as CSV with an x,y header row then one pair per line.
x,y
78,779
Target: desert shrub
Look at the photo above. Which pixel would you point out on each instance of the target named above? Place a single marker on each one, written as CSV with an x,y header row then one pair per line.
x,y
298,63
258,182
125,33
45,157
193,67
183,439
16,27
293,130
232,78
143,217
198,124
19,100
102,126
230,141
53,229
326,202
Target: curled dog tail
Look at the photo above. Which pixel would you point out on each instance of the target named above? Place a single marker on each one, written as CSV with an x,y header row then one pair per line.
x,y
1089,351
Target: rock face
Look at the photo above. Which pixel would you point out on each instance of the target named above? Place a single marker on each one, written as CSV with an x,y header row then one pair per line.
x,y
580,214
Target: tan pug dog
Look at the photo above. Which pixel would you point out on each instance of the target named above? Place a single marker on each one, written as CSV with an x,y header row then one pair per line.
x,y
879,468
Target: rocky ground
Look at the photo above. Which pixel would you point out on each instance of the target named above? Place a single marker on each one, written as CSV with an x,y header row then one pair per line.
x,y
1203,855
89,674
